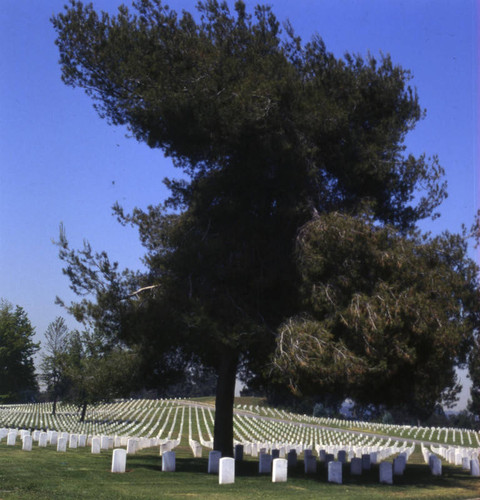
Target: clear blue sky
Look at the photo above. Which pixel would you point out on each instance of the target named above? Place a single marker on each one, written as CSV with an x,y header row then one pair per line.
x,y
59,162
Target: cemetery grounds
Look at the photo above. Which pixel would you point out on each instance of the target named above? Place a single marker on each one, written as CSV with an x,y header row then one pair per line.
x,y
45,473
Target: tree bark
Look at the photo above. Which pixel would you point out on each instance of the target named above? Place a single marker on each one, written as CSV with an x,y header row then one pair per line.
x,y
54,408
223,431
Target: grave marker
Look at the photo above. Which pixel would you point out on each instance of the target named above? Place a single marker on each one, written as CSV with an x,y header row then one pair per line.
x,y
43,439
213,461
310,463
27,443
226,474
62,444
386,472
96,445
265,463
279,473
11,438
168,461
292,458
356,466
335,472
475,467
119,460
238,452
399,465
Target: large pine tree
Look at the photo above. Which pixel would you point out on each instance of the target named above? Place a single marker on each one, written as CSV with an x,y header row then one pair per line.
x,y
269,132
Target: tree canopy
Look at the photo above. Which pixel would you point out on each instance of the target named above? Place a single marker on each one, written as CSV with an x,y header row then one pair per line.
x,y
94,369
17,371
385,318
270,133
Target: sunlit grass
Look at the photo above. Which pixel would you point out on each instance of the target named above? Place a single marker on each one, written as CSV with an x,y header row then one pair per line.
x,y
44,474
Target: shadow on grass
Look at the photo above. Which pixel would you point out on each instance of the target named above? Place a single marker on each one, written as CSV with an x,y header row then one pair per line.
x,y
416,475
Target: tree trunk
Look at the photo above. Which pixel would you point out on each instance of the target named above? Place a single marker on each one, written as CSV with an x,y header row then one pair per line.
x,y
84,411
54,409
223,431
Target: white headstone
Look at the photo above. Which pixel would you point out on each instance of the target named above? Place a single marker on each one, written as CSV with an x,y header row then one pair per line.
x,y
366,464
27,443
62,444
213,461
11,438
119,460
238,452
399,465
168,461
386,472
474,467
265,463
292,458
82,440
342,456
43,439
96,445
54,438
279,470
226,471
104,442
436,466
73,441
197,450
132,446
310,463
335,472
356,466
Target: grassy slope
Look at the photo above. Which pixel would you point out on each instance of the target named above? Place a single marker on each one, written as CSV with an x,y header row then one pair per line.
x,y
44,474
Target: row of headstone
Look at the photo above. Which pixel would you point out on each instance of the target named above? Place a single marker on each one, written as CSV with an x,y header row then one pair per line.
x,y
467,458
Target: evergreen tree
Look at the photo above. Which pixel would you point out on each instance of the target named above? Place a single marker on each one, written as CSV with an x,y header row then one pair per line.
x,y
95,370
17,372
386,316
269,132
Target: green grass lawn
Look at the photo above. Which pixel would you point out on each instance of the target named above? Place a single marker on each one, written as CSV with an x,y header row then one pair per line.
x,y
44,474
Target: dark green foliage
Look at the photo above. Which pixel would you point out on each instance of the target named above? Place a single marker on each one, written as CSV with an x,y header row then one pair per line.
x,y
91,369
388,314
269,132
17,372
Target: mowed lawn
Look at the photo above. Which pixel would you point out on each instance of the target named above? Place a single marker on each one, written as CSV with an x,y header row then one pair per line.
x,y
77,474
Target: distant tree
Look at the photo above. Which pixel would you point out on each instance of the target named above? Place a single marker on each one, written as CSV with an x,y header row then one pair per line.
x,y
96,370
17,372
52,373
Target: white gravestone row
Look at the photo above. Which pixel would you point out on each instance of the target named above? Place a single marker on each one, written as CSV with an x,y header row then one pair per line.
x,y
467,458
